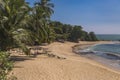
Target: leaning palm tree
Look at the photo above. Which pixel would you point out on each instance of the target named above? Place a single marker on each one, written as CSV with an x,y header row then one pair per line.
x,y
12,15
41,13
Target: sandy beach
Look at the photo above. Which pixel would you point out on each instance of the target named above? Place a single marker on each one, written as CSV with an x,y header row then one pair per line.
x,y
74,67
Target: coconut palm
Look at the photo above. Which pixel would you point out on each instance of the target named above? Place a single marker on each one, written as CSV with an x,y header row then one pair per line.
x,y
12,15
41,13
45,8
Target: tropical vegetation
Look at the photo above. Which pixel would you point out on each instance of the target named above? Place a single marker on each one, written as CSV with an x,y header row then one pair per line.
x,y
73,33
22,25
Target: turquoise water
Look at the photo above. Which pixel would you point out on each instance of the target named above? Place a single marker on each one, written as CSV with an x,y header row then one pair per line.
x,y
113,37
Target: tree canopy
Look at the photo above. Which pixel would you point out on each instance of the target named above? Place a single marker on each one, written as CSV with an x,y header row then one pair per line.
x,y
73,33
22,25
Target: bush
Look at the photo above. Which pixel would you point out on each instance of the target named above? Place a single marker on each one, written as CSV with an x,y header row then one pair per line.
x,y
5,65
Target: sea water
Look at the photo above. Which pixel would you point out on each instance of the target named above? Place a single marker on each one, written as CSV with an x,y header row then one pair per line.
x,y
108,54
113,37
105,50
108,48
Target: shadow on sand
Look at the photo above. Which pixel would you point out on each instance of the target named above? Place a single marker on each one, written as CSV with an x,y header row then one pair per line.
x,y
20,58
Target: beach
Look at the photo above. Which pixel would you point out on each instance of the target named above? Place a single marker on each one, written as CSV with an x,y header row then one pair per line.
x,y
73,67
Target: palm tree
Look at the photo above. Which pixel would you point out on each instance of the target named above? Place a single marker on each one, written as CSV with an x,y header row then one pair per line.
x,y
41,13
12,15
20,24
45,8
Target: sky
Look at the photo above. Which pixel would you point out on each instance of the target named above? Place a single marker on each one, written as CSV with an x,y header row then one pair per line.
x,y
100,16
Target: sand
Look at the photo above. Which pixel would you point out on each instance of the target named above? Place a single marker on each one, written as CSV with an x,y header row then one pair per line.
x,y
74,67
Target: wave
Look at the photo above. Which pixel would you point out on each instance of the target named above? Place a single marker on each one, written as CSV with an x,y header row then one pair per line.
x,y
103,50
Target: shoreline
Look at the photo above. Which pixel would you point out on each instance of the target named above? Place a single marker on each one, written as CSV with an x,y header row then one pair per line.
x,y
74,67
103,60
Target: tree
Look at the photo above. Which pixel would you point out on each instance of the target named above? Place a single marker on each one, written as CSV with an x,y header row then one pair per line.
x,y
40,22
93,36
20,25
12,14
76,33
86,36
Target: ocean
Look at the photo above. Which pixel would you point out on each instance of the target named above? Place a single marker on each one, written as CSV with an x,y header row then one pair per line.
x,y
112,37
108,54
106,50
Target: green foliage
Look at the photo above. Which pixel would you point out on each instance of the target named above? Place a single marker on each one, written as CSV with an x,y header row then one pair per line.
x,y
93,36
86,36
38,22
71,33
5,65
12,15
76,33
22,25
62,31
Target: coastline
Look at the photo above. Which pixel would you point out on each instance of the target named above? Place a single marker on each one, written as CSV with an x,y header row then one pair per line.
x,y
104,60
74,67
